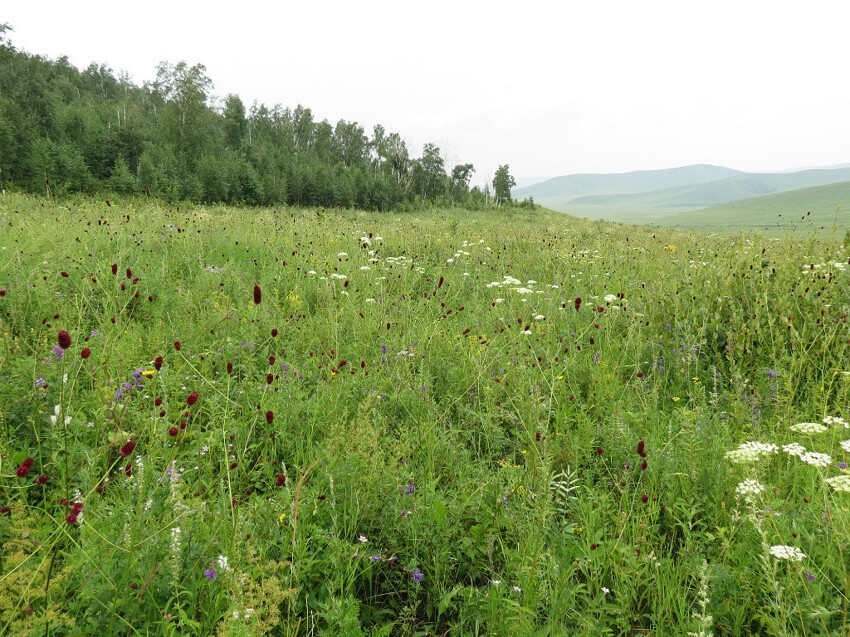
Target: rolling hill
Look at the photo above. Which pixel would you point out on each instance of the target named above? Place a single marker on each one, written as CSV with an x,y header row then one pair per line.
x,y
603,199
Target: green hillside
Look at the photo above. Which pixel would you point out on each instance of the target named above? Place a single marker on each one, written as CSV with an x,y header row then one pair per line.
x,y
820,208
644,204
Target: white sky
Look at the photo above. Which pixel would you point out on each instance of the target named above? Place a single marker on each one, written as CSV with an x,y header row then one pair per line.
x,y
549,87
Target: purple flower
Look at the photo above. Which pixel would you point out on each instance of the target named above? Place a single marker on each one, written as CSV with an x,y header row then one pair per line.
x,y
771,373
809,576
375,558
58,352
210,573
417,575
40,382
842,465
384,348
410,489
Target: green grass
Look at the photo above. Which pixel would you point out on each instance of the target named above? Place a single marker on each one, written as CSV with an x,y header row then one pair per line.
x,y
419,429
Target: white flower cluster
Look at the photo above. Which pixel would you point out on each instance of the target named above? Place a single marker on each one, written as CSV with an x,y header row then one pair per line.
x,y
783,552
839,483
748,488
794,449
836,421
816,459
808,428
845,444
751,451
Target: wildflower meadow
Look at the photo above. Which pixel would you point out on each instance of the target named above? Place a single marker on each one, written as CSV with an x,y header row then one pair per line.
x,y
236,421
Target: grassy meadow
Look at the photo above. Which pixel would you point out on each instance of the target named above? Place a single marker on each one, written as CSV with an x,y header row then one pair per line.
x,y
224,421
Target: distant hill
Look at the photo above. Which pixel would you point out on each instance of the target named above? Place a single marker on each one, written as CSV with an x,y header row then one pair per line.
x,y
570,186
818,208
644,204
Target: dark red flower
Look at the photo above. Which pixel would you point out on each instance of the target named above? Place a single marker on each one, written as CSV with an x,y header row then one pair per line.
x,y
640,449
192,398
270,416
233,465
134,586
64,339
157,364
230,368
85,353
593,547
274,332
157,401
271,359
76,507
127,448
5,509
643,465
644,498
258,295
65,274
129,273
42,479
23,471
173,431
578,302
281,480
177,345
598,451
114,268
640,374
27,462
3,292
71,518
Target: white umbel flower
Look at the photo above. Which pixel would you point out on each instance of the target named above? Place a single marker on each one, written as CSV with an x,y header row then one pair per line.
x,y
782,552
808,428
794,449
751,451
836,421
816,459
839,483
749,487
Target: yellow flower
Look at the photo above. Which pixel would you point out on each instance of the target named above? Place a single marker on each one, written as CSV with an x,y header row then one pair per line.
x,y
281,518
675,399
148,373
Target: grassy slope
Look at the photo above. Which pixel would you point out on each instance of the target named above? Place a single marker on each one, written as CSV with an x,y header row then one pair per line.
x,y
819,208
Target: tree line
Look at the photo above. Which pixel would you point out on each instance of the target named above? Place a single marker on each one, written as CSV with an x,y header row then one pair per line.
x,y
63,130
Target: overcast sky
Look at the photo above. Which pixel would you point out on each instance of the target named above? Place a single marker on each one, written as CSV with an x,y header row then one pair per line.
x,y
549,87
